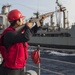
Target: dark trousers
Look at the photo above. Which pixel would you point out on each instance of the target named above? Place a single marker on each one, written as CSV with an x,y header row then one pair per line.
x,y
1,69
8,71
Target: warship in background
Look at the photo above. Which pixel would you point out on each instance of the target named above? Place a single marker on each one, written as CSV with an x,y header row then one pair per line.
x,y
55,36
3,17
50,35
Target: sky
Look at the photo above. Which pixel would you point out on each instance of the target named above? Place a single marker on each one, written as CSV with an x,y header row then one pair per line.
x,y
28,7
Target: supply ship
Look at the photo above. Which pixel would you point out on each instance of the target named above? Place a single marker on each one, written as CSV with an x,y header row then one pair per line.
x,y
3,17
53,35
56,36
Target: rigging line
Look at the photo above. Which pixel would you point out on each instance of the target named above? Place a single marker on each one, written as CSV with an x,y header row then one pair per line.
x,y
1,3
50,71
60,61
24,6
65,62
30,7
38,5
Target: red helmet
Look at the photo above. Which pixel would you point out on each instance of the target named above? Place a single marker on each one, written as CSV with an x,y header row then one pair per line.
x,y
14,15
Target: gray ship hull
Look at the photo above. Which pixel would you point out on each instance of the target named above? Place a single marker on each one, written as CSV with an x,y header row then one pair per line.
x,y
54,42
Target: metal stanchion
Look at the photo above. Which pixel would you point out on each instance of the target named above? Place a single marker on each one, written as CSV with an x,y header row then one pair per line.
x,y
38,48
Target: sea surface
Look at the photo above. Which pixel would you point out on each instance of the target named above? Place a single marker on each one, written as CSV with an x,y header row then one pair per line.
x,y
53,63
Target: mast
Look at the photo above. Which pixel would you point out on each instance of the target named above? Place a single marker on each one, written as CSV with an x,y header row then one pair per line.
x,y
62,9
52,22
5,9
36,14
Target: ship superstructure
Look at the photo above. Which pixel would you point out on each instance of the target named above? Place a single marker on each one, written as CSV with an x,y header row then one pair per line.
x,y
56,36
3,17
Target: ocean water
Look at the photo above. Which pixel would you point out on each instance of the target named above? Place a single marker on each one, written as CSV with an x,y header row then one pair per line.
x,y
54,63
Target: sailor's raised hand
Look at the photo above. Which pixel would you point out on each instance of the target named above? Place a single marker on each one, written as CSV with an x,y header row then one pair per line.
x,y
29,24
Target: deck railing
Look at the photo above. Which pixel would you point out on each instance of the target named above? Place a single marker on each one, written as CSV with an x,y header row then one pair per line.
x,y
57,64
58,67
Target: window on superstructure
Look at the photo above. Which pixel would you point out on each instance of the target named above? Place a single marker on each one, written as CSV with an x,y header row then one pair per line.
x,y
52,35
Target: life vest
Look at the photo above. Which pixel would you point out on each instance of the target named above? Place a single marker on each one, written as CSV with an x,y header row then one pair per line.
x,y
17,53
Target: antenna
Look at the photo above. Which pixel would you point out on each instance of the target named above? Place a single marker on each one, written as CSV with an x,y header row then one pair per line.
x,y
37,14
58,3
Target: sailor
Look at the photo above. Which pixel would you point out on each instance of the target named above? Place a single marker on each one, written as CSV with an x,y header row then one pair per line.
x,y
16,43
